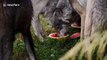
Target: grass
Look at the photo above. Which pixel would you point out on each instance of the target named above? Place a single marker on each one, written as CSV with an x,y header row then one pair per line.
x,y
19,51
51,49
47,50
96,50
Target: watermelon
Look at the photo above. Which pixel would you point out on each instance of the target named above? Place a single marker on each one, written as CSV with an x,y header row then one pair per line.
x,y
54,35
75,35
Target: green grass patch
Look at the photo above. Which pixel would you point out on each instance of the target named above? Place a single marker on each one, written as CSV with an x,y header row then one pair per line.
x,y
50,49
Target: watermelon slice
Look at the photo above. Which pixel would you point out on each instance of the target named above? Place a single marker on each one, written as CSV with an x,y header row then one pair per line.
x,y
75,35
54,35
75,25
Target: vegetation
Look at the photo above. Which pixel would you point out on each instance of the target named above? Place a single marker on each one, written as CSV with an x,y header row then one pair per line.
x,y
50,49
96,50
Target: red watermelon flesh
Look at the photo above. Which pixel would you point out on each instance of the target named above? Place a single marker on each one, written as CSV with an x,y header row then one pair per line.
x,y
54,35
75,35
